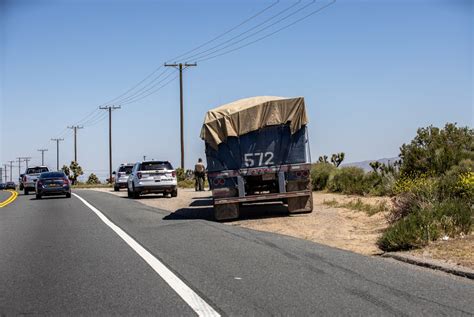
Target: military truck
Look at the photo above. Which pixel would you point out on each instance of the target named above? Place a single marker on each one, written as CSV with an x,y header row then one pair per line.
x,y
257,150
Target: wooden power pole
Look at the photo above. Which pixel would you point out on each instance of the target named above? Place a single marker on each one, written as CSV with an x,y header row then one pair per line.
x,y
181,108
109,109
75,128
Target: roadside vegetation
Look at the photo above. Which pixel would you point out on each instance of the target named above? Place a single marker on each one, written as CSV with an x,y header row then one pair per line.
x,y
359,205
432,186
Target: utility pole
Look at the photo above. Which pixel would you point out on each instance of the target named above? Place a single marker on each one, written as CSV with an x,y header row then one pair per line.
x,y
181,110
11,170
74,128
27,159
109,109
57,140
5,169
42,155
144,157
19,166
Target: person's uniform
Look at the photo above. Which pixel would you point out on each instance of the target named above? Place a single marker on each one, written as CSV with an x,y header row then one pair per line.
x,y
199,173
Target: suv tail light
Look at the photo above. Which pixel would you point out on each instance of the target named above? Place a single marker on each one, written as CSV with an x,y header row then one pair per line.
x,y
39,183
65,181
24,178
139,175
173,173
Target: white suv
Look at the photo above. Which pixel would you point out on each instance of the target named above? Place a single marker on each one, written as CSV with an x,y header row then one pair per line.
x,y
121,176
152,177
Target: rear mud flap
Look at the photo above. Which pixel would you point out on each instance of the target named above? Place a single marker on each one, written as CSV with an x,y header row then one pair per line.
x,y
302,204
226,211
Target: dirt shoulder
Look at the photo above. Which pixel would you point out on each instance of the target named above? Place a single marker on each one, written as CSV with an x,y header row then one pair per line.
x,y
328,224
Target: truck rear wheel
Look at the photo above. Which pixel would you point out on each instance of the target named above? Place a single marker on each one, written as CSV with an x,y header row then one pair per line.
x,y
226,211
26,191
300,205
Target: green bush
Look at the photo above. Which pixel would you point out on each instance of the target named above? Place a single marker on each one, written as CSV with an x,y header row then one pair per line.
x,y
434,151
347,180
422,225
320,173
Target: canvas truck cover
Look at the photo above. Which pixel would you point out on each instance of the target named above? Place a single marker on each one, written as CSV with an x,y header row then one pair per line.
x,y
260,131
251,114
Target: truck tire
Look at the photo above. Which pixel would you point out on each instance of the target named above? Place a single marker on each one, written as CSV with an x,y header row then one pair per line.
x,y
68,195
300,205
26,191
116,188
226,211
38,196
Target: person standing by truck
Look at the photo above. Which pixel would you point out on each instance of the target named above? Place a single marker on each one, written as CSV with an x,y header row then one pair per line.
x,y
199,174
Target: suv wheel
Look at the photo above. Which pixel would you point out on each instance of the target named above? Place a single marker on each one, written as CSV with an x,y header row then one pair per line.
x,y
116,188
174,193
26,191
38,196
135,194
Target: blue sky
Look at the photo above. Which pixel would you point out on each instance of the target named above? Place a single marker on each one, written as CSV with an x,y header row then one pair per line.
x,y
372,72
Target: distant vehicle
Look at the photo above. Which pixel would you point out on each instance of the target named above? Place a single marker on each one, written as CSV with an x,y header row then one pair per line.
x,y
30,177
2,186
53,183
10,185
152,177
263,158
20,181
121,176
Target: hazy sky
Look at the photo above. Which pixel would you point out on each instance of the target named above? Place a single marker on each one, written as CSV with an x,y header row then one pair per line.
x,y
372,72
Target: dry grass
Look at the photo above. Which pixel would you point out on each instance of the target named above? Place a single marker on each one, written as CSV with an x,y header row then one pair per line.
x,y
458,251
359,205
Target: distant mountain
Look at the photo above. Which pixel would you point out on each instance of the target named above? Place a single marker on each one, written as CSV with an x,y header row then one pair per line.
x,y
365,164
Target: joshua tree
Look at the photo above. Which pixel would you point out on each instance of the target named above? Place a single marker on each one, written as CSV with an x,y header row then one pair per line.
x,y
323,159
337,159
375,165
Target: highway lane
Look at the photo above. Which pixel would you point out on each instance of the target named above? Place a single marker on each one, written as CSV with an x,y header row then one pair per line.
x,y
62,259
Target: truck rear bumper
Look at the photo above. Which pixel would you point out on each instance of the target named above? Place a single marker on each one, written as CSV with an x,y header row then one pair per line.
x,y
261,197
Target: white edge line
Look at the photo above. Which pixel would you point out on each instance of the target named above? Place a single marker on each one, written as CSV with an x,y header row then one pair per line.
x,y
185,292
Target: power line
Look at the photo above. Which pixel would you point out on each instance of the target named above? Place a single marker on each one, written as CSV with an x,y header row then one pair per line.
x,y
153,92
253,28
225,32
270,34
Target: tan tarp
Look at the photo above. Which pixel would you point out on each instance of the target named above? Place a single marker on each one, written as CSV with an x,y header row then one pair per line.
x,y
251,114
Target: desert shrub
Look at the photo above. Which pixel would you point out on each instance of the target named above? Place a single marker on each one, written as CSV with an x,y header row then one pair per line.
x,y
434,151
180,174
347,180
93,179
379,184
421,225
320,173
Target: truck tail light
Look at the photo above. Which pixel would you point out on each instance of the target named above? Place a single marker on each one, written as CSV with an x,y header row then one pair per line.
x,y
139,175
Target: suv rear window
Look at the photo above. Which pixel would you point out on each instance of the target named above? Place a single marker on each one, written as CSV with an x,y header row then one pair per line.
x,y
53,175
36,170
127,169
153,166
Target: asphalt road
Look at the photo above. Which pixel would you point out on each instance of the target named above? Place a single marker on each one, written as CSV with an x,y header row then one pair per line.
x,y
57,257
